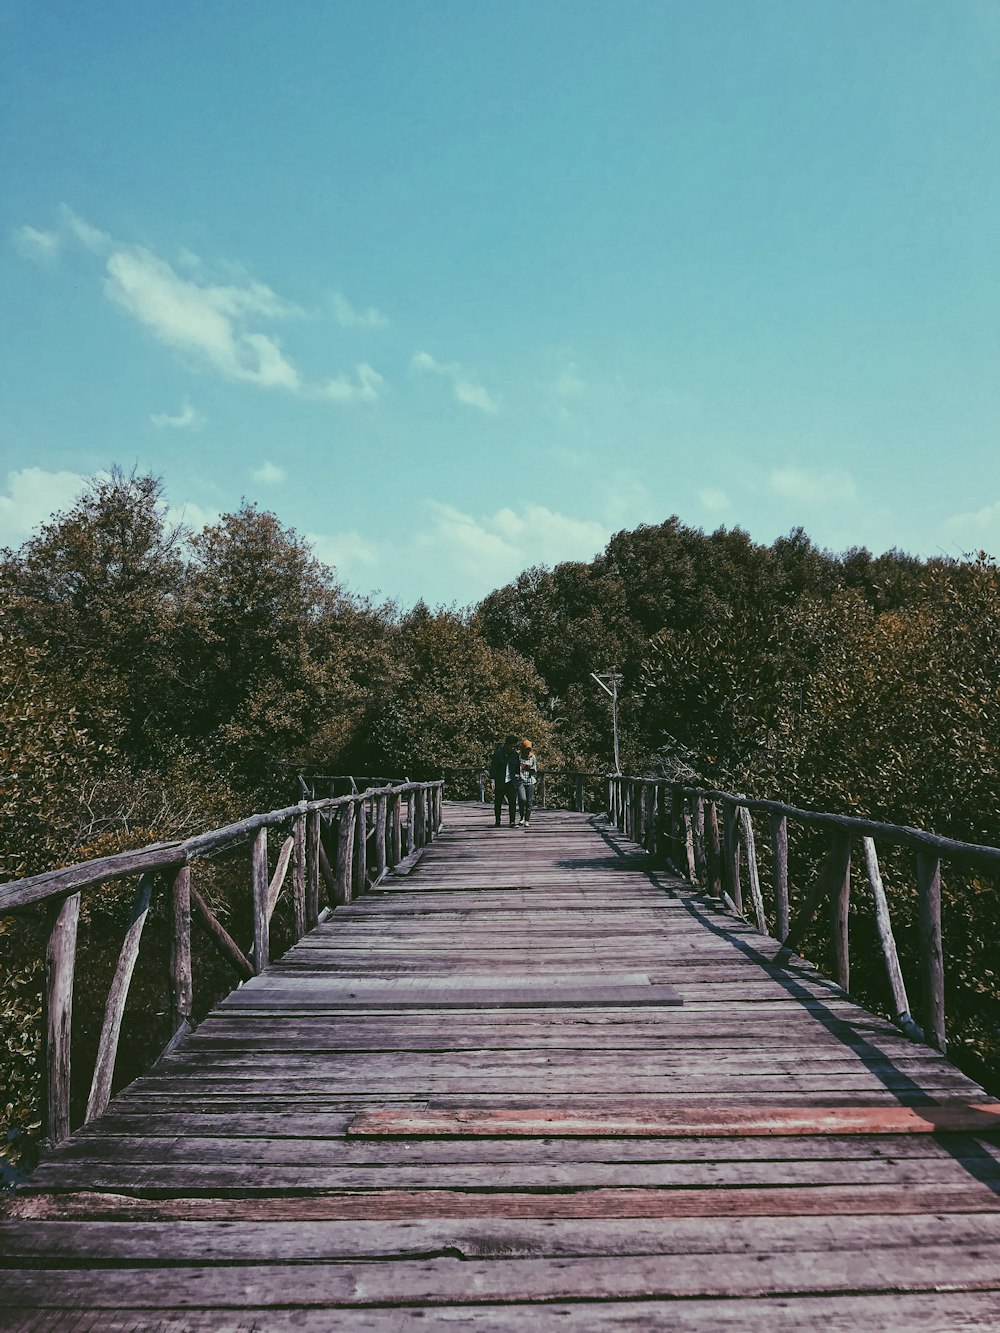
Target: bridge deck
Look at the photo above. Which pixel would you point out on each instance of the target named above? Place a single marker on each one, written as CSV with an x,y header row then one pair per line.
x,y
528,1083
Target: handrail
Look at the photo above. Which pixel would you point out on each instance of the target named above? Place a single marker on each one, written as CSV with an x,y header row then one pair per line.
x,y
680,823
344,844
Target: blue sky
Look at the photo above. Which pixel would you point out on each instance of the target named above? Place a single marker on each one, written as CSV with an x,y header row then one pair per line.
x,y
456,288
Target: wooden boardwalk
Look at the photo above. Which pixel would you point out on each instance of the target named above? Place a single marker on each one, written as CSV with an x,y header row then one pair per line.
x,y
529,1085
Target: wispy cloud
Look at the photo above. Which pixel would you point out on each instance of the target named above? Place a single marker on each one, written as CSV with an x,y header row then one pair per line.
x,y
32,497
808,487
713,499
90,237
206,322
498,546
365,387
222,326
465,389
41,246
349,317
188,418
975,529
269,474
353,556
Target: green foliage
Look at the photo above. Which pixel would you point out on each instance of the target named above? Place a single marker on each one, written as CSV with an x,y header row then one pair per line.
x,y
452,696
155,682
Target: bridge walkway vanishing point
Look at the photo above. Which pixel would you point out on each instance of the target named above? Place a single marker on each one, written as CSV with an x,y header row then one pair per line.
x,y
531,1084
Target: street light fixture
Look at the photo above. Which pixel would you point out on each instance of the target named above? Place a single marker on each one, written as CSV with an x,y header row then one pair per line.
x,y
609,682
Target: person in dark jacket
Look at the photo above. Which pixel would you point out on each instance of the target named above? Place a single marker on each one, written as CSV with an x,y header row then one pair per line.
x,y
505,774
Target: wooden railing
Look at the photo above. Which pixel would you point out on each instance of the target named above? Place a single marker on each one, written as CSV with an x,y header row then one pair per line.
x,y
681,824
335,847
560,788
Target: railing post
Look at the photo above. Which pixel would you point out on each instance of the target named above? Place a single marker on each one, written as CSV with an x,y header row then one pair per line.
x,y
395,829
420,822
779,852
261,926
299,874
689,854
578,803
883,924
411,831
842,923
107,1046
731,856
753,877
345,852
360,848
482,787
313,834
181,983
60,965
714,850
653,839
541,789
381,803
931,956
698,830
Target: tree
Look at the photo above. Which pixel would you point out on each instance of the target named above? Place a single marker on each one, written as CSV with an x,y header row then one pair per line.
x,y
452,695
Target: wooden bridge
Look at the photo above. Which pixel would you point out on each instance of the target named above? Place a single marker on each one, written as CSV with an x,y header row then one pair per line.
x,y
531,1081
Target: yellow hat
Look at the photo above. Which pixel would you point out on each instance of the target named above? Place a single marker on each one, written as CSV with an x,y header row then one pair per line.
x,y
526,745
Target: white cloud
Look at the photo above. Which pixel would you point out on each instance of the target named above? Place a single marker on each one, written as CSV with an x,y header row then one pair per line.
x,y
32,497
42,246
364,388
92,238
188,418
714,499
465,389
462,556
794,483
350,318
474,395
350,554
216,324
205,321
190,515
269,474
498,546
975,529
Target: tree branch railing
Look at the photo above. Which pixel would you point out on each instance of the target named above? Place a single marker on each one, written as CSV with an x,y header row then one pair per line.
x,y
334,847
681,825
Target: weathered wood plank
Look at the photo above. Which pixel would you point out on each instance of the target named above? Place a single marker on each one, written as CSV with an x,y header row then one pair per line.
x,y
957,1119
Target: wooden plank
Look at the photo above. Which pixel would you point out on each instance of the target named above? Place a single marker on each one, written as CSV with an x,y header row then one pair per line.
x,y
960,1118
400,1204
475,1238
921,1312
440,1280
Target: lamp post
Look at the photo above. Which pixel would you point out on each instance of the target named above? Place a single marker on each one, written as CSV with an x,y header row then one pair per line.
x,y
609,682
